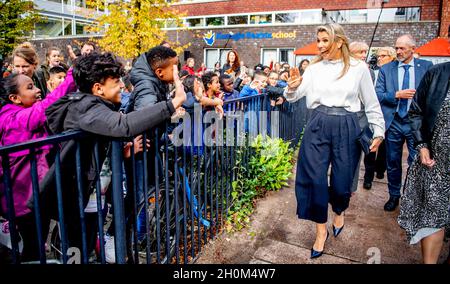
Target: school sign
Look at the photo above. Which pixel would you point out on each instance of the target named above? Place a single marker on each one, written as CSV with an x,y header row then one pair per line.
x,y
210,37
258,35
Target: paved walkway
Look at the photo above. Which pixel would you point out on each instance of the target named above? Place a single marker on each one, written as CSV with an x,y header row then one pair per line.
x,y
276,235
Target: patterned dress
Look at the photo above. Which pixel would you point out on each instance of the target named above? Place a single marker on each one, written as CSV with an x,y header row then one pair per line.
x,y
425,205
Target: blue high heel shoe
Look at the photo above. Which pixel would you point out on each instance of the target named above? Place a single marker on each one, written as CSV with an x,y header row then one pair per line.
x,y
315,253
337,231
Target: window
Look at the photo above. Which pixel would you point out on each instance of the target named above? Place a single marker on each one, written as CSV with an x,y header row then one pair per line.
x,y
215,21
400,11
287,55
238,20
261,19
213,55
357,16
160,24
67,25
50,27
310,17
82,28
284,18
80,3
349,16
411,14
277,55
197,22
171,23
269,55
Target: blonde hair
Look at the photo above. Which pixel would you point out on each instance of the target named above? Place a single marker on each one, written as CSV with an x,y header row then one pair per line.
x,y
26,52
390,51
358,46
336,33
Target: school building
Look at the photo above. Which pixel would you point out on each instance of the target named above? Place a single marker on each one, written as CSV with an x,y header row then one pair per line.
x,y
261,31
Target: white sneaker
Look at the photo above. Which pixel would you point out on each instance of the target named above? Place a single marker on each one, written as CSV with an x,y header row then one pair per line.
x,y
5,236
110,249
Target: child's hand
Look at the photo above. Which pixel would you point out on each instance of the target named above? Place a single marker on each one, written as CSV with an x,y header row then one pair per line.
x,y
138,146
243,73
218,102
279,101
71,52
179,113
257,85
198,90
219,111
180,94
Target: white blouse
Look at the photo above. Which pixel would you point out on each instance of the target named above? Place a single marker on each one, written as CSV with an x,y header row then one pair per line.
x,y
321,86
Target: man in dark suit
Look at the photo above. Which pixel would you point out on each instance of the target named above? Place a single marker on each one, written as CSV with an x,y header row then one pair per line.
x,y
395,88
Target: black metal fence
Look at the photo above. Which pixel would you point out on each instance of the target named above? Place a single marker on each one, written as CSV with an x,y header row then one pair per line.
x,y
165,202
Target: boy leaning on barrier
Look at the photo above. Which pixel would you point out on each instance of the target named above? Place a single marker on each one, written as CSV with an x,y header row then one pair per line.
x,y
94,109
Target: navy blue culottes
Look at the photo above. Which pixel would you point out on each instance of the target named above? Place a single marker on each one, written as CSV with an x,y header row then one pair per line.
x,y
330,138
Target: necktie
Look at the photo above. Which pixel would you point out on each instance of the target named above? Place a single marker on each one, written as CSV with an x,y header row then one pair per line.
x,y
403,104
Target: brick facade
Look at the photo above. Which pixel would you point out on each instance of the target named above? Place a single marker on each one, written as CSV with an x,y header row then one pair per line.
x,y
430,8
435,20
250,49
445,20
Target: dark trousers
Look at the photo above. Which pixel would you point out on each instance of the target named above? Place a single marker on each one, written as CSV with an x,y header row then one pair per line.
x,y
397,134
26,226
328,140
375,163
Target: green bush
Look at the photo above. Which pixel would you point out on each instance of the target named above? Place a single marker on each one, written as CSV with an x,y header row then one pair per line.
x,y
268,168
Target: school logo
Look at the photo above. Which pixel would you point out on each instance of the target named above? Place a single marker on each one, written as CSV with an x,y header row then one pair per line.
x,y
209,38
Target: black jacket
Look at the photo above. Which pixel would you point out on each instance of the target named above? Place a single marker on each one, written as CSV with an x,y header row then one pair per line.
x,y
148,88
100,117
427,102
95,115
40,82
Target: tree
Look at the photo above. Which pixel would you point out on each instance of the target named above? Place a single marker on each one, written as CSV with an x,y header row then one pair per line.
x,y
131,27
17,19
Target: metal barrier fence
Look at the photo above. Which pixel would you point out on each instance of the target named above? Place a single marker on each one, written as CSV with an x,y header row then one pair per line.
x,y
166,202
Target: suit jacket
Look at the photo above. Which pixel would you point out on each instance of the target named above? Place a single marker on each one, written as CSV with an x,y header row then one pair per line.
x,y
428,102
387,86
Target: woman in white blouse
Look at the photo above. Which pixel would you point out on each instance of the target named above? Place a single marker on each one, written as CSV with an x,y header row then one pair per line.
x,y
335,85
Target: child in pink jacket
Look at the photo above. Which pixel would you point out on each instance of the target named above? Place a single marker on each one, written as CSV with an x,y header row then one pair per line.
x,y
22,118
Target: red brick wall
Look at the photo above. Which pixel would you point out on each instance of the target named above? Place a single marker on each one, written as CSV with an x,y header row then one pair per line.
x,y
430,8
250,50
445,20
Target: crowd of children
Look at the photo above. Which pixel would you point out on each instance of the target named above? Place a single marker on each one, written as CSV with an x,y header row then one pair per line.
x,y
97,96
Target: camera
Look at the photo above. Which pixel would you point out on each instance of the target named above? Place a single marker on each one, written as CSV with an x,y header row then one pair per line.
x,y
373,62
